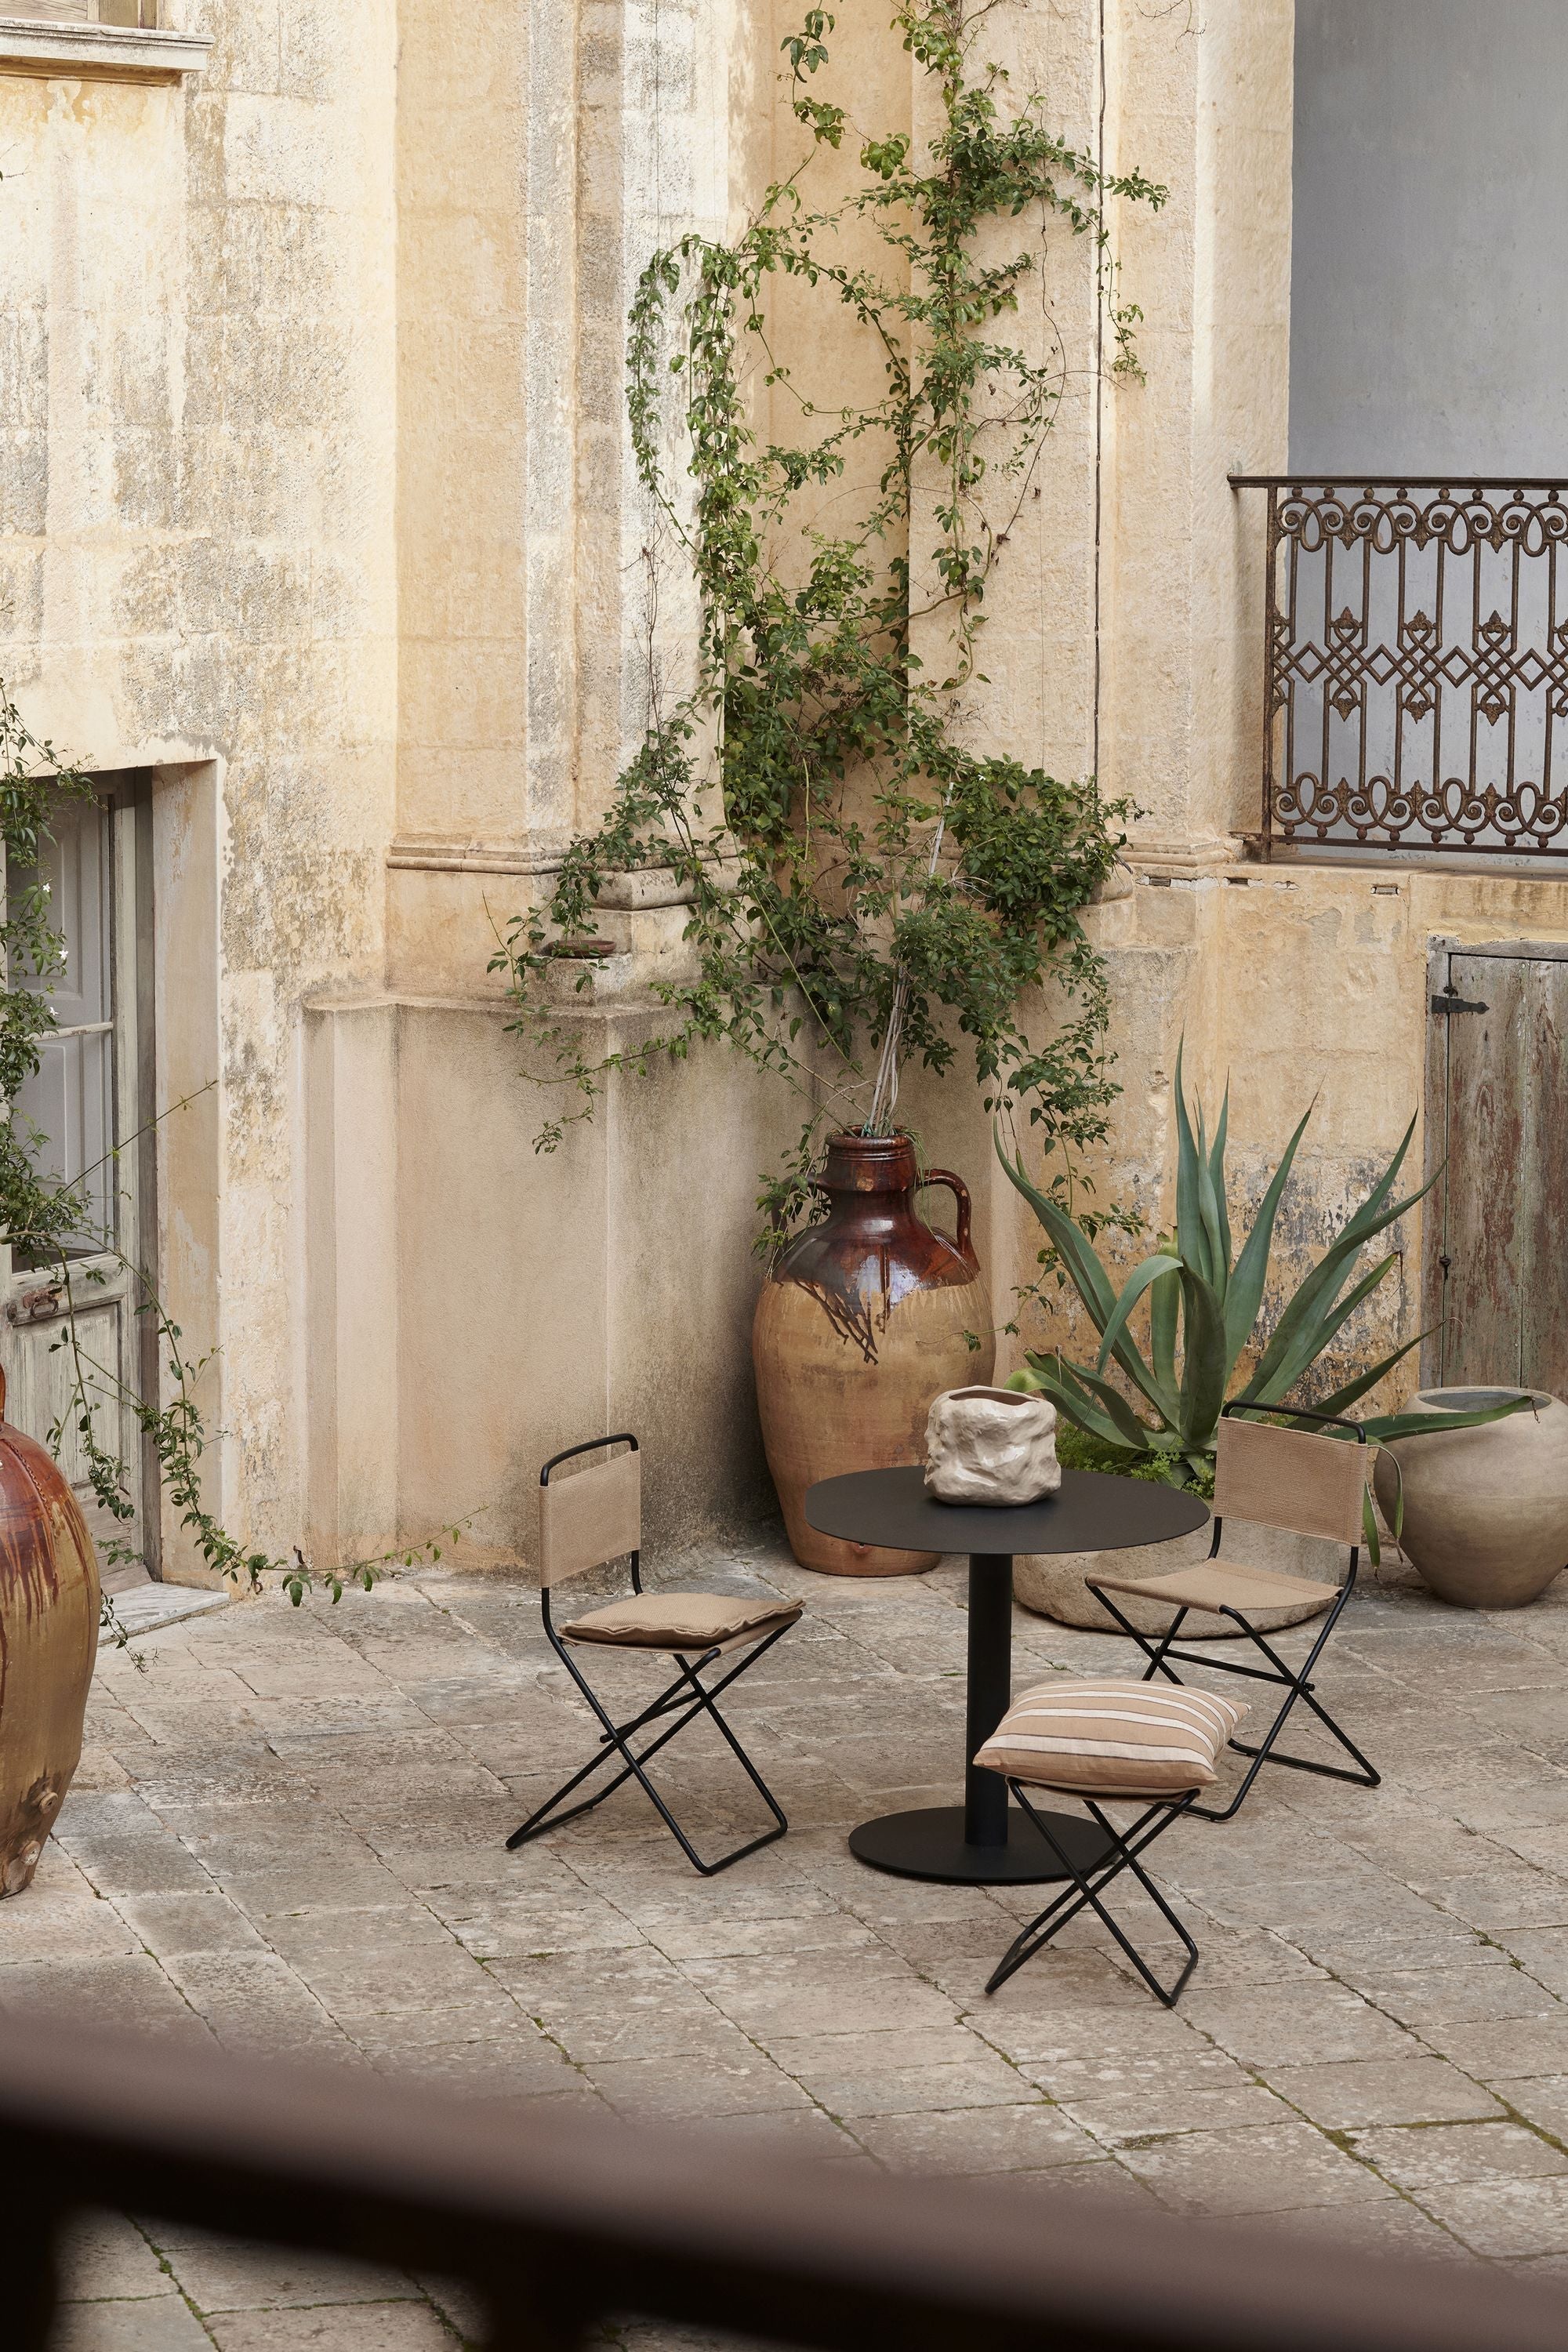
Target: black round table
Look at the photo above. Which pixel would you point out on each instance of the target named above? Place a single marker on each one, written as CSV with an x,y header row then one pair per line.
x,y
985,1840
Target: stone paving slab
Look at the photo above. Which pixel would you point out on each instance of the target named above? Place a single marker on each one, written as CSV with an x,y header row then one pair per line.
x,y
288,1836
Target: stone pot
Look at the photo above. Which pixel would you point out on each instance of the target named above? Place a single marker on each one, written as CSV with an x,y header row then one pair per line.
x,y
996,1447
1054,1586
861,1322
48,1640
1486,1509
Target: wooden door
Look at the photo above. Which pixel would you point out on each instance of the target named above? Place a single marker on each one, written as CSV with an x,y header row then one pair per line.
x,y
88,1102
1496,1272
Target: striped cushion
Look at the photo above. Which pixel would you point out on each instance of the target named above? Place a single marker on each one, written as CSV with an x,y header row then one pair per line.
x,y
1112,1738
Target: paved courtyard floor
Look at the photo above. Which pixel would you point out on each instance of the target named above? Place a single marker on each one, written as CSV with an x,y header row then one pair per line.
x,y
288,1834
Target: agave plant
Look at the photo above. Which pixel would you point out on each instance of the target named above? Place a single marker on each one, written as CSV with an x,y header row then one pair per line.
x,y
1203,1300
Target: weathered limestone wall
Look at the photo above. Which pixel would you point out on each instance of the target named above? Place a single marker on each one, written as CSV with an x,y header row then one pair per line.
x,y
1299,985
317,502
196,431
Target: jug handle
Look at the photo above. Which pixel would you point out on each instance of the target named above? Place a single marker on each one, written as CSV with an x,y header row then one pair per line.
x,y
959,1190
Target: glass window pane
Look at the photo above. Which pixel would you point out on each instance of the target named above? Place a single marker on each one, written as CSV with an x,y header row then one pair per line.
x,y
71,1098
76,870
71,1101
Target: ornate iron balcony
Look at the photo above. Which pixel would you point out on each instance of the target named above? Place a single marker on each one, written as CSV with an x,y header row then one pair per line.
x,y
1415,665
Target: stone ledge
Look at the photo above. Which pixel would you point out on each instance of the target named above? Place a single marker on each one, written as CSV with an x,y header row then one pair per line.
x,y
99,52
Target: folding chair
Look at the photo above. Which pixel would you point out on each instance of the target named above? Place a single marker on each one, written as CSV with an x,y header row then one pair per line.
x,y
585,1522
1109,1741
1275,1477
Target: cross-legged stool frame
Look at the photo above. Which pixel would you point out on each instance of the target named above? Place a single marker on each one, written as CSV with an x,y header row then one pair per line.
x,y
1088,1884
1273,1477
586,1521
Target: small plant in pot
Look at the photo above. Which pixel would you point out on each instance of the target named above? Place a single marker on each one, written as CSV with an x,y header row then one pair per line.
x,y
1204,1298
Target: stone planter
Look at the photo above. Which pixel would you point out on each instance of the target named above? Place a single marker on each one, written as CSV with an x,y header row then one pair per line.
x,y
1055,1587
1486,1509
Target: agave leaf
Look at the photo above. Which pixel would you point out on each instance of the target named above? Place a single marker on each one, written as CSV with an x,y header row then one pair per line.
x,y
1052,1379
1317,1339
1213,1227
1091,1282
1164,1304
1244,1294
1088,1277
1357,1388
1315,1295
1191,1242
1204,1365
1143,1279
1383,1426
1216,1178
1130,1429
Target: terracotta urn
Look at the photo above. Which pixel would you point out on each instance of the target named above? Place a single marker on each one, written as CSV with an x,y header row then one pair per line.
x,y
48,1640
863,1319
1486,1508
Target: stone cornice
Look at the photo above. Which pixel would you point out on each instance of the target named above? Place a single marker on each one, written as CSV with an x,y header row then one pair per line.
x,y
99,52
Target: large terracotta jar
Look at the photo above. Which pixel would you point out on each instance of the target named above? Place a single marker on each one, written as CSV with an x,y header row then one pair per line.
x,y
1486,1508
864,1319
48,1640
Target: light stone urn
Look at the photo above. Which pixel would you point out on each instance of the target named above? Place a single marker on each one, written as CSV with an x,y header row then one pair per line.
x,y
995,1446
1486,1508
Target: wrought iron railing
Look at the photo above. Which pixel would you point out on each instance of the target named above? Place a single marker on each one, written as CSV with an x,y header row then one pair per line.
x,y
562,2221
1415,665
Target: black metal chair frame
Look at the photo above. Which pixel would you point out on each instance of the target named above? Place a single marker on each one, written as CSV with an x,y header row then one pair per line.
x,y
1088,1884
1297,1683
687,1696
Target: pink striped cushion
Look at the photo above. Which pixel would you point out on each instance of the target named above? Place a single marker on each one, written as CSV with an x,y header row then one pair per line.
x,y
1112,1738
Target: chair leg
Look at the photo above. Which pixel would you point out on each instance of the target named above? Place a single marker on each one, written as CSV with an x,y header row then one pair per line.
x,y
615,1741
1090,1884
1297,1687
1154,1652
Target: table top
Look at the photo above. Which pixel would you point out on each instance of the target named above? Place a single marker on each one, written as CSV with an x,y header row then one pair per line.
x,y
891,1511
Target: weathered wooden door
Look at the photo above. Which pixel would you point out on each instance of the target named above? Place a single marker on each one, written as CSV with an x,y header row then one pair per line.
x,y
88,1100
1496,1272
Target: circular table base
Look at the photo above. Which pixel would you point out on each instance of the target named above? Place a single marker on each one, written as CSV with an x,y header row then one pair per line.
x,y
931,1845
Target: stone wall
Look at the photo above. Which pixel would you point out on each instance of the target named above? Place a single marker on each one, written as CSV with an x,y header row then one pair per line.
x,y
316,504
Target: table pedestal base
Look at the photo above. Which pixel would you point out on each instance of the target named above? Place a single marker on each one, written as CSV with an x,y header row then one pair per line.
x,y
931,1845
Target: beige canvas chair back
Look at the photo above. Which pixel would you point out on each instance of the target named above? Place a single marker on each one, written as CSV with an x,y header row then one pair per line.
x,y
589,1516
1290,1478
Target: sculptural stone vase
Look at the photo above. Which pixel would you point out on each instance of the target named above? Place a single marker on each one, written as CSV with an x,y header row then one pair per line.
x,y
1486,1508
861,1322
48,1640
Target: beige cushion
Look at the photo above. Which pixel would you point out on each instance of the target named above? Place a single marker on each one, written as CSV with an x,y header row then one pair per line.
x,y
1112,1738
680,1620
1222,1584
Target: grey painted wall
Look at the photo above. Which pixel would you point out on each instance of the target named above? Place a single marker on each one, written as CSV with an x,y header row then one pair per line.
x,y
1429,293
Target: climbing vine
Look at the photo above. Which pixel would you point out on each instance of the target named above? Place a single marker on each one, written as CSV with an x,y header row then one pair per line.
x,y
49,1224
864,889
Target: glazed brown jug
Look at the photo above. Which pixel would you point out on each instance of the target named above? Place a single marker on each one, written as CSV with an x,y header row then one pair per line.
x,y
861,1322
48,1640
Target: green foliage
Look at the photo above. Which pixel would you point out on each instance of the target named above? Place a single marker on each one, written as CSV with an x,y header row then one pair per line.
x,y
35,1217
45,1223
868,887
1203,1299
1077,1450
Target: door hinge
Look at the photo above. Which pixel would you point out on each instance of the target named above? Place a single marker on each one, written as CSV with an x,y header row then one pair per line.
x,y
1451,1002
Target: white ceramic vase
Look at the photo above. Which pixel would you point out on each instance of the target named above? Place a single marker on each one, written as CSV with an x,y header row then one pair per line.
x,y
995,1446
1485,1508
